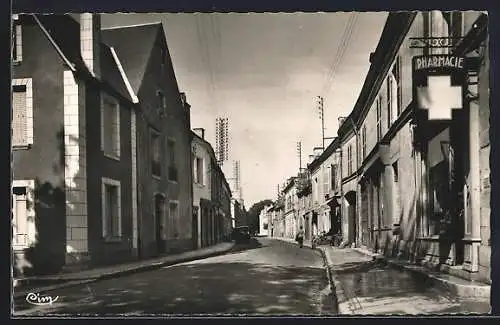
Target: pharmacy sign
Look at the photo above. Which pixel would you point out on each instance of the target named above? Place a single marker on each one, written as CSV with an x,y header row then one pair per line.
x,y
439,84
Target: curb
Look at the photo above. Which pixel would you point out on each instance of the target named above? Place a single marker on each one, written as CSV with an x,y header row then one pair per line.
x,y
345,305
460,290
115,274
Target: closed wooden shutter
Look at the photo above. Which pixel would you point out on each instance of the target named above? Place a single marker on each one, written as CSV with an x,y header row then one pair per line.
x,y
19,118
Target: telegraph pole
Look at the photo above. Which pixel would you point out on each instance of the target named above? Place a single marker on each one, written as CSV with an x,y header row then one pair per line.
x,y
322,118
299,153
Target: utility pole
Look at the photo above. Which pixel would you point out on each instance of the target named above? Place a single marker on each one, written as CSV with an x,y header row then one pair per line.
x,y
322,118
299,153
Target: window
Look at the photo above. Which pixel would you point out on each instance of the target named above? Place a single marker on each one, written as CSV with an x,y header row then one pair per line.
x,y
17,42
455,22
326,182
389,101
111,209
162,103
396,87
23,213
173,211
155,153
199,170
379,118
22,113
333,177
435,25
110,127
363,142
349,159
172,169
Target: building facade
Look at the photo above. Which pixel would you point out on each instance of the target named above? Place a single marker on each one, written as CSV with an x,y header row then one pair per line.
x,y
163,140
72,186
416,186
96,198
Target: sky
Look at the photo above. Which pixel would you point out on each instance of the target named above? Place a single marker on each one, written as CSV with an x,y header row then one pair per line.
x,y
264,71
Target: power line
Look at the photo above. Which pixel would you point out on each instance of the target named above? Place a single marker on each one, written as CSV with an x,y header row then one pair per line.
x,y
345,40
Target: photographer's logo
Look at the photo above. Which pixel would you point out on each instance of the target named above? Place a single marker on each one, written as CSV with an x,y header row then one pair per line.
x,y
37,299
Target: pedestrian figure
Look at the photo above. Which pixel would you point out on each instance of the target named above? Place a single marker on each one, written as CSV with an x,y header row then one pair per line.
x,y
300,237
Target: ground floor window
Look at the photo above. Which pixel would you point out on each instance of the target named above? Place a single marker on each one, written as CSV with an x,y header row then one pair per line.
x,y
173,210
23,213
111,209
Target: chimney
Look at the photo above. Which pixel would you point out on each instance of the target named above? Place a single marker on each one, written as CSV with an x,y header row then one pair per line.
x,y
341,120
183,99
90,42
317,151
372,57
200,132
311,158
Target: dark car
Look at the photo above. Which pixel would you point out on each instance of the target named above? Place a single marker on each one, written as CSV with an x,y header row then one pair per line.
x,y
241,234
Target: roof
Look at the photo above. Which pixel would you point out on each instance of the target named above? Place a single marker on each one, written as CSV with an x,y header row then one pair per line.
x,y
65,33
395,29
133,57
332,147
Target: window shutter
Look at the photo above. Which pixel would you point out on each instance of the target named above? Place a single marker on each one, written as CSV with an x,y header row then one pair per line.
x,y
19,118
20,220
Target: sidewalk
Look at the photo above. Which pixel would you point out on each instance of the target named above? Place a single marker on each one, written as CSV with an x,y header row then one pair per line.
x,y
46,283
365,285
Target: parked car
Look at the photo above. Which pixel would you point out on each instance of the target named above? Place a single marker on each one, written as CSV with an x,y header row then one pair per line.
x,y
241,234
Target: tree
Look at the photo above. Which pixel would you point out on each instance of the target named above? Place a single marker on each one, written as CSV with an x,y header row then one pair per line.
x,y
254,212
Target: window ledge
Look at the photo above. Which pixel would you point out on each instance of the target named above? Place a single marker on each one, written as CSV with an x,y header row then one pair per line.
x,y
113,239
173,182
157,177
19,247
21,146
111,156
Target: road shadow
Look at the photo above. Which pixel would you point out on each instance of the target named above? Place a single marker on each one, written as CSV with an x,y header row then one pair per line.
x,y
224,288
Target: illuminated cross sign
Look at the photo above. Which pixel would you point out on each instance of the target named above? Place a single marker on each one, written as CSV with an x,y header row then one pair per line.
x,y
439,97
439,82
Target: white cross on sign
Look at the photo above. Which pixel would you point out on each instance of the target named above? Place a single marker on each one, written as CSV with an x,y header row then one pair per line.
x,y
439,97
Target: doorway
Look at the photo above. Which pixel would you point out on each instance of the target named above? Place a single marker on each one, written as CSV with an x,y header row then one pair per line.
x,y
351,215
160,229
194,227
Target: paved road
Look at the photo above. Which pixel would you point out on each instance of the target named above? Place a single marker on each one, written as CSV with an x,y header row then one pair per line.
x,y
270,277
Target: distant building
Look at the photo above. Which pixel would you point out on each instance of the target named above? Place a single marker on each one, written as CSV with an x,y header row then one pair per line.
x,y
264,219
211,193
326,189
290,212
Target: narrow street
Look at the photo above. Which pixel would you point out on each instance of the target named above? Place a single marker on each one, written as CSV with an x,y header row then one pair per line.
x,y
268,277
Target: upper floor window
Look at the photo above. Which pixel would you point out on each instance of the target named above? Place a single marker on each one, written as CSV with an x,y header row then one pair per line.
x,y
333,177
379,118
199,171
110,126
17,42
22,113
455,20
435,25
349,159
172,166
162,103
363,142
155,153
396,99
326,187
